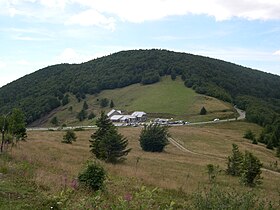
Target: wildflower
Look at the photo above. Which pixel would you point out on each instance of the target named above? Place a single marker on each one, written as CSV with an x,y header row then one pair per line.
x,y
74,184
128,197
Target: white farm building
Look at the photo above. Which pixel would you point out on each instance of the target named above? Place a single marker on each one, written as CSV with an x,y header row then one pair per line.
x,y
117,117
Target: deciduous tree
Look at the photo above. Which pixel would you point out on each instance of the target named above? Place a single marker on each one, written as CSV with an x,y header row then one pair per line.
x,y
154,138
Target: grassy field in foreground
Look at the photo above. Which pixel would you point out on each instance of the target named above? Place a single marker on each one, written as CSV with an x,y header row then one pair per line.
x,y
176,174
166,99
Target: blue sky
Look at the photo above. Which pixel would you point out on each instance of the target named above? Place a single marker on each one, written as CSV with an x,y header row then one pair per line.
x,y
38,33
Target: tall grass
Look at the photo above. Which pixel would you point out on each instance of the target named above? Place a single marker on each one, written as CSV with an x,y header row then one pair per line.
x,y
172,172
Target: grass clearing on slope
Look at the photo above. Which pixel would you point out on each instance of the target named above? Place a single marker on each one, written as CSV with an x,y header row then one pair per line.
x,y
166,99
173,171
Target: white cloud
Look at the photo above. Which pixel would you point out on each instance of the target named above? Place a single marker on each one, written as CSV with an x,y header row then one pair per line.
x,y
105,13
139,11
54,3
92,17
276,52
23,62
2,64
69,55
29,34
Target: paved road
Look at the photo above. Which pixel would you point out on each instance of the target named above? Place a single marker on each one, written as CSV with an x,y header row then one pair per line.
x,y
242,116
61,128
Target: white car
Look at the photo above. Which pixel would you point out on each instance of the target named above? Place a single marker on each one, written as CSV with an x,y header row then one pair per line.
x,y
216,119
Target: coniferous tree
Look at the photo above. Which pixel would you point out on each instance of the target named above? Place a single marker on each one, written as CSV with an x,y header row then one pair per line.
x,y
112,104
106,143
278,152
82,115
65,100
251,170
234,162
203,111
85,105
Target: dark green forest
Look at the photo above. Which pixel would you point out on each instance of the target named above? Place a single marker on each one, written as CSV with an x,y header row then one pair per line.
x,y
40,92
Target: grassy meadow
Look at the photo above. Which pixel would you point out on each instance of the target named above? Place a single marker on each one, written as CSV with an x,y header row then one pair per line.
x,y
50,166
167,99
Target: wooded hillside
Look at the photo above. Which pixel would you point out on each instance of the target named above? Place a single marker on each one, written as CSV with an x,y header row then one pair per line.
x,y
40,92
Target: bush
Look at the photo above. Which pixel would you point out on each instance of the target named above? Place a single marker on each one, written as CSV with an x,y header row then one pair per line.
x,y
93,176
69,137
278,152
91,116
104,102
154,138
54,121
212,171
218,198
249,135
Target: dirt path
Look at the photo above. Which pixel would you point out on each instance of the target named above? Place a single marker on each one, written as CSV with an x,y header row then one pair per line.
x,y
184,149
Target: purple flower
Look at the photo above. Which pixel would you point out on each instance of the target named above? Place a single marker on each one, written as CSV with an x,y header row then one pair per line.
x,y
74,184
128,197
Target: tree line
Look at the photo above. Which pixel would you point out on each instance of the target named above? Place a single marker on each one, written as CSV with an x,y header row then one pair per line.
x,y
42,91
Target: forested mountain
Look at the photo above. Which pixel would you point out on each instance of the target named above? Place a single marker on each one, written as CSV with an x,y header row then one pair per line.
x,y
42,91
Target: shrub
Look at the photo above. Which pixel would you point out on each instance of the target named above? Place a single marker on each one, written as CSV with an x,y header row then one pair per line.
x,y
93,176
249,135
54,121
104,102
212,172
218,198
278,152
91,116
154,138
254,141
69,137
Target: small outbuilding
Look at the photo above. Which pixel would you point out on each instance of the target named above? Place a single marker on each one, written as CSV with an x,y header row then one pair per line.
x,y
114,112
140,116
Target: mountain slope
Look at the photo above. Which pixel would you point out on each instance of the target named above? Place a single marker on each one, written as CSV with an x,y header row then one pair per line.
x,y
166,98
39,93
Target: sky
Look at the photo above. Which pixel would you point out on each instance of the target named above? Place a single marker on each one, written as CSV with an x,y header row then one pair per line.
x,y
38,33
